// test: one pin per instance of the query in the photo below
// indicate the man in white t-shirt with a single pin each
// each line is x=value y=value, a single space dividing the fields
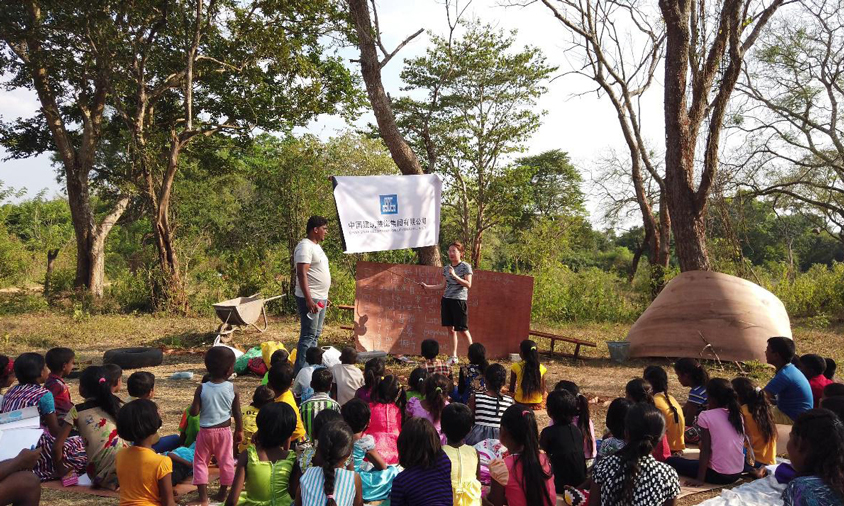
x=313 y=280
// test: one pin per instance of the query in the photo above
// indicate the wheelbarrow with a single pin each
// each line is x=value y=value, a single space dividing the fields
x=240 y=313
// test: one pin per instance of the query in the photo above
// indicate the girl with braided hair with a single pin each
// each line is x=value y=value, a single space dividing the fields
x=632 y=476
x=583 y=419
x=267 y=472
x=527 y=378
x=675 y=420
x=640 y=392
x=816 y=450
x=332 y=484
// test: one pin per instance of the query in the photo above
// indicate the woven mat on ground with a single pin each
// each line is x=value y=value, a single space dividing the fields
x=181 y=489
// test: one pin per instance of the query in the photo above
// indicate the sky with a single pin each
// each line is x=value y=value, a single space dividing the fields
x=585 y=126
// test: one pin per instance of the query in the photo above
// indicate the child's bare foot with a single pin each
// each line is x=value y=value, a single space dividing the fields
x=220 y=496
x=759 y=473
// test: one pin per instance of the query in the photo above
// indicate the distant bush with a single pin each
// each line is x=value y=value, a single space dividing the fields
x=818 y=291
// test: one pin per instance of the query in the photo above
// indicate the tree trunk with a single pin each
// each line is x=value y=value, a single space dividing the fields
x=400 y=151
x=52 y=254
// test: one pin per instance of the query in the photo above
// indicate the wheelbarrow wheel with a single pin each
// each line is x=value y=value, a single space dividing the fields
x=134 y=358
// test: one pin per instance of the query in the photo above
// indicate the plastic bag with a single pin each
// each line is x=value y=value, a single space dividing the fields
x=330 y=356
x=268 y=348
x=237 y=353
x=242 y=363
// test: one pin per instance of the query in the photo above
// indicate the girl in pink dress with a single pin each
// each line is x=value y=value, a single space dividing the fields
x=436 y=390
x=387 y=407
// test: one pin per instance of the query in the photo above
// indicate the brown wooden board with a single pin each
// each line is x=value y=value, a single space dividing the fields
x=394 y=314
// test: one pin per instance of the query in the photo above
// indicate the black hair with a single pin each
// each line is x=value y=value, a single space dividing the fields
x=28 y=368
x=477 y=356
x=834 y=390
x=820 y=435
x=390 y=391
x=280 y=376
x=696 y=372
x=276 y=422
x=206 y=378
x=138 y=420
x=430 y=349
x=831 y=366
x=4 y=365
x=349 y=355
x=56 y=358
x=322 y=419
x=584 y=419
x=279 y=355
x=562 y=406
x=436 y=390
x=639 y=390
x=457 y=421
x=616 y=414
x=313 y=355
x=812 y=365
x=721 y=392
x=334 y=446
x=644 y=426
x=373 y=371
x=93 y=383
x=140 y=383
x=418 y=444
x=262 y=396
x=658 y=378
x=520 y=424
x=219 y=361
x=834 y=404
x=315 y=222
x=114 y=373
x=531 y=373
x=417 y=377
x=356 y=413
x=782 y=346
x=758 y=405
x=321 y=380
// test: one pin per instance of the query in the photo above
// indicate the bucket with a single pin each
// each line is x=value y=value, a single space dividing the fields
x=619 y=350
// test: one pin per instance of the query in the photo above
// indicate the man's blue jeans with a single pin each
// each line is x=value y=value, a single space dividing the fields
x=309 y=330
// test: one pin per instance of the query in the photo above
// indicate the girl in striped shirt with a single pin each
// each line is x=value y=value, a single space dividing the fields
x=489 y=406
x=331 y=484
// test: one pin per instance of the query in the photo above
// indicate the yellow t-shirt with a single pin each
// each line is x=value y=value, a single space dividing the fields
x=764 y=451
x=536 y=397
x=138 y=471
x=250 y=427
x=287 y=397
x=673 y=428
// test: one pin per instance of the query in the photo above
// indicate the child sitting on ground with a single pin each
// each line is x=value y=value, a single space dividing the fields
x=426 y=478
x=758 y=425
x=456 y=423
x=347 y=377
x=144 y=475
x=722 y=438
x=693 y=376
x=528 y=478
x=262 y=396
x=141 y=385
x=613 y=441
x=813 y=366
x=414 y=383
x=96 y=421
x=60 y=362
x=115 y=377
x=376 y=476
x=527 y=378
x=308 y=456
x=302 y=384
x=266 y=472
x=471 y=378
x=631 y=475
x=833 y=390
x=583 y=419
x=433 y=365
x=834 y=404
x=332 y=484
x=320 y=385
x=831 y=366
x=562 y=441
x=216 y=402
x=639 y=391
x=675 y=421
x=488 y=406
x=373 y=371
x=387 y=407
x=281 y=378
x=816 y=451
x=281 y=355
x=436 y=389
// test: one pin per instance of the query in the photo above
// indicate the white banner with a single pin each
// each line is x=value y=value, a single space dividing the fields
x=379 y=213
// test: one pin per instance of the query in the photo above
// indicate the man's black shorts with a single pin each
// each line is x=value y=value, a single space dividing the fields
x=455 y=313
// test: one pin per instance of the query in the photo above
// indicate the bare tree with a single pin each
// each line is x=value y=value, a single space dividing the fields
x=369 y=42
x=620 y=45
x=705 y=48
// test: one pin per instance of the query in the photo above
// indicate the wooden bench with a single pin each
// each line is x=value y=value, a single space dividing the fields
x=554 y=338
x=346 y=307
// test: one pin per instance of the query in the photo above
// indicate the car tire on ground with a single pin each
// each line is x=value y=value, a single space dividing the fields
x=134 y=358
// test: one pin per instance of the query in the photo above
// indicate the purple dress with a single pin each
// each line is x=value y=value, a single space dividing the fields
x=415 y=408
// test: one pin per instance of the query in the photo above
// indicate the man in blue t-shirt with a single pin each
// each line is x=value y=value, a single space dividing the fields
x=789 y=388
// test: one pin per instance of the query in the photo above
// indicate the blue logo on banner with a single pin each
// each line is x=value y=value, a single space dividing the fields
x=389 y=204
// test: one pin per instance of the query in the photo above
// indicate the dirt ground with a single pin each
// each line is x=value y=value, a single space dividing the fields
x=184 y=340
